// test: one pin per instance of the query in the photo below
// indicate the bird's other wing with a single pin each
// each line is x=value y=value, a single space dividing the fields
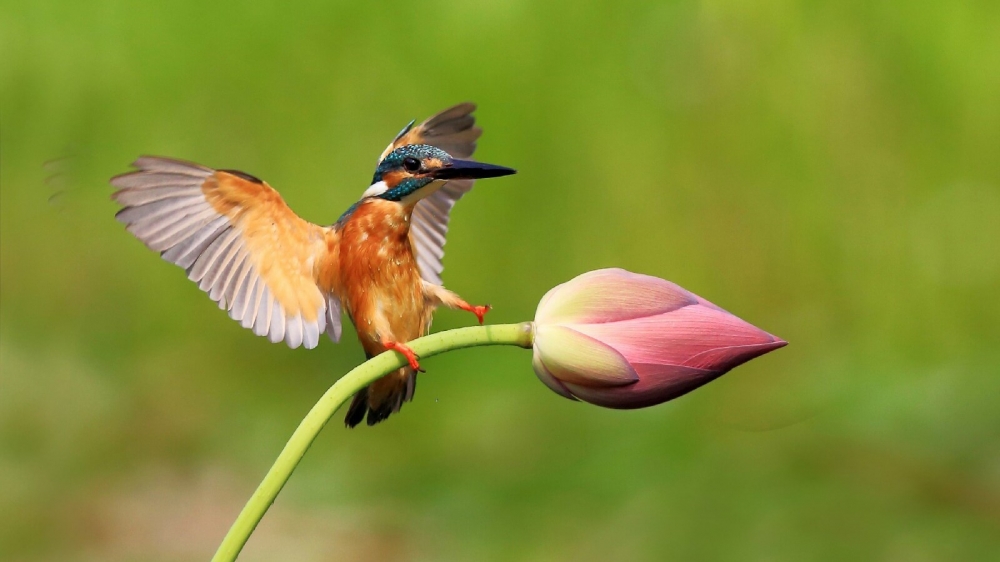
x=238 y=240
x=429 y=226
x=453 y=131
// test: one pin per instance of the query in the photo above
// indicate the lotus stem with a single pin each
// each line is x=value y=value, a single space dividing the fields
x=347 y=386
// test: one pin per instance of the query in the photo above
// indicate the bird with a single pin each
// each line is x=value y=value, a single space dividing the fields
x=291 y=280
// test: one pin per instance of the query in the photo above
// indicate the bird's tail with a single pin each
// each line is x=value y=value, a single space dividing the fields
x=382 y=398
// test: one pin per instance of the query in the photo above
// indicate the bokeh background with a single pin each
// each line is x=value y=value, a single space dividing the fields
x=827 y=171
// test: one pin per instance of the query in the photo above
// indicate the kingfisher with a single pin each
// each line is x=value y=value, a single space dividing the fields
x=289 y=279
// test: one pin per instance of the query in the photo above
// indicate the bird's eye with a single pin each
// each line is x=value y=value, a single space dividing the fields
x=411 y=164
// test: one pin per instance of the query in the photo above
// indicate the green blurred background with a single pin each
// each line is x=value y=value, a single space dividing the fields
x=828 y=171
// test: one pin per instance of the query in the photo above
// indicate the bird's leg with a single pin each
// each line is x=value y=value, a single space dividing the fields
x=406 y=351
x=436 y=294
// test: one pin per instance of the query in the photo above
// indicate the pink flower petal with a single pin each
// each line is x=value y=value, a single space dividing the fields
x=573 y=357
x=657 y=384
x=546 y=377
x=694 y=336
x=609 y=295
x=726 y=358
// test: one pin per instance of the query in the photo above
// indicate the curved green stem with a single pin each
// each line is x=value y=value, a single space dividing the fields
x=344 y=388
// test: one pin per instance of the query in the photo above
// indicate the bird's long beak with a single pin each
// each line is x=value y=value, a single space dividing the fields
x=469 y=170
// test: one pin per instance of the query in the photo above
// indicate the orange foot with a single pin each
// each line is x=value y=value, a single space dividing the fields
x=407 y=352
x=479 y=311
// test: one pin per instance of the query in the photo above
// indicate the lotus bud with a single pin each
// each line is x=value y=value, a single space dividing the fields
x=624 y=340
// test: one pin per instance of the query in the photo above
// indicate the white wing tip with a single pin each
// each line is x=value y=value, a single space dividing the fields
x=311 y=334
x=294 y=331
x=276 y=332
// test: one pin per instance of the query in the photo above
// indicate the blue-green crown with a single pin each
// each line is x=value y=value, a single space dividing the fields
x=394 y=160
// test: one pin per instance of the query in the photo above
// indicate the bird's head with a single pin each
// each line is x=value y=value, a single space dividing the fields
x=412 y=172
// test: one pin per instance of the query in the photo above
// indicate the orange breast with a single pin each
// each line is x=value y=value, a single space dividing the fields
x=379 y=283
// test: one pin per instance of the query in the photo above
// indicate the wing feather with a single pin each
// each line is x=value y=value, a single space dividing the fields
x=429 y=227
x=209 y=265
x=333 y=318
x=185 y=253
x=135 y=197
x=223 y=292
x=263 y=319
x=277 y=331
x=293 y=331
x=452 y=130
x=237 y=240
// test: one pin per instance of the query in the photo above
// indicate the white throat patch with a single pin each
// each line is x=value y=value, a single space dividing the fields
x=377 y=188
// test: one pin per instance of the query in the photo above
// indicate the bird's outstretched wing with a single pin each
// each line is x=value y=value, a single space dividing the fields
x=453 y=131
x=238 y=240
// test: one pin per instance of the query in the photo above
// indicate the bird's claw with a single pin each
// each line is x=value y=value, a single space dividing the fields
x=480 y=312
x=405 y=350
